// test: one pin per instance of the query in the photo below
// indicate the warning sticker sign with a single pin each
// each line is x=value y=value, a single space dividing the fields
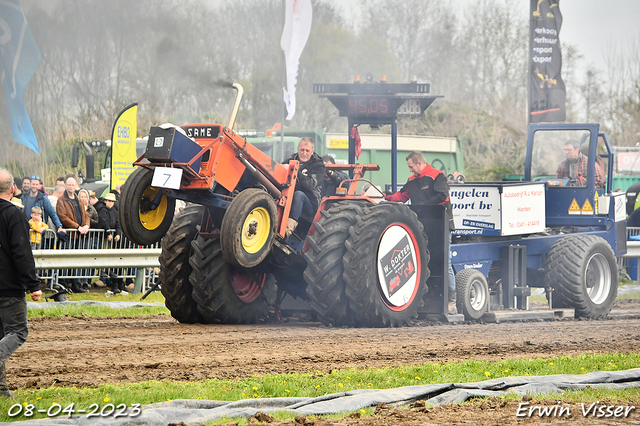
x=574 y=208
x=586 y=207
x=398 y=266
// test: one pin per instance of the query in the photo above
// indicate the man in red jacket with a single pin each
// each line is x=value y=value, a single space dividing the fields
x=428 y=185
x=17 y=275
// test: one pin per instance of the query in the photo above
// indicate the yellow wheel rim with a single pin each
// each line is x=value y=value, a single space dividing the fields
x=255 y=230
x=153 y=218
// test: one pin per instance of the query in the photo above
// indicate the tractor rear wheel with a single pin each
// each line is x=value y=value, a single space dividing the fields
x=325 y=285
x=174 y=264
x=225 y=293
x=139 y=220
x=385 y=267
x=248 y=228
x=583 y=273
x=472 y=293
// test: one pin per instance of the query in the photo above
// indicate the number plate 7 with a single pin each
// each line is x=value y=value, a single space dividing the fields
x=166 y=177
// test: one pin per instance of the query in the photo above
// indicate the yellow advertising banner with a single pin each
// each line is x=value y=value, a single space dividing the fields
x=123 y=144
x=338 y=143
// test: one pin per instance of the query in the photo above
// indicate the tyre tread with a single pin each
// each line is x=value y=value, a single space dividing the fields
x=174 y=265
x=324 y=272
x=564 y=273
x=360 y=270
x=212 y=290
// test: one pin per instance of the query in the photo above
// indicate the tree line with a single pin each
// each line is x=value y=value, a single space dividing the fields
x=175 y=59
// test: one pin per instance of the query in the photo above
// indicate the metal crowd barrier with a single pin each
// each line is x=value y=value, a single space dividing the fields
x=90 y=256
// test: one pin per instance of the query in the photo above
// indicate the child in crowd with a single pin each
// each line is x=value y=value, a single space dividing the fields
x=37 y=226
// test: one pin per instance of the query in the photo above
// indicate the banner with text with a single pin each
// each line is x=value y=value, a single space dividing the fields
x=503 y=209
x=546 y=89
x=123 y=144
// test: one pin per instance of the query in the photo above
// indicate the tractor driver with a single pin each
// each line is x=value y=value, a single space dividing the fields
x=429 y=185
x=574 y=166
x=306 y=197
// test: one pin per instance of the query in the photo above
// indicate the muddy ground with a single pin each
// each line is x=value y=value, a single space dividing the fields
x=76 y=351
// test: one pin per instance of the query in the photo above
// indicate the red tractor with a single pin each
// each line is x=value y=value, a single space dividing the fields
x=224 y=256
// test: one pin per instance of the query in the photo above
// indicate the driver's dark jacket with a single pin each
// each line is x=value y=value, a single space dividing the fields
x=429 y=187
x=310 y=177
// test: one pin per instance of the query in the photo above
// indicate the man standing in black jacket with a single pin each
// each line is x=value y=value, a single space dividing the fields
x=428 y=185
x=306 y=197
x=17 y=275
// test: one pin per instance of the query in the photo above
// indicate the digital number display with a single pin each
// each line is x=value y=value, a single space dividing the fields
x=410 y=108
x=368 y=106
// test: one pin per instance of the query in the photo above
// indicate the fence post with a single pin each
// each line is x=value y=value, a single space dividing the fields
x=139 y=282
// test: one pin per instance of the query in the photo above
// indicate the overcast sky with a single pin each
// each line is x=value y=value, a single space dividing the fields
x=596 y=27
x=593 y=26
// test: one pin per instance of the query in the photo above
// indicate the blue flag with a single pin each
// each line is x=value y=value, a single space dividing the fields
x=19 y=57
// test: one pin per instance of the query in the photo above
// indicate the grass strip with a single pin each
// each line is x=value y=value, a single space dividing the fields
x=319 y=383
x=154 y=297
x=102 y=311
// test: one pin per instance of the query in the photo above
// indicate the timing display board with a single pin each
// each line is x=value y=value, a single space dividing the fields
x=376 y=104
x=366 y=105
x=377 y=101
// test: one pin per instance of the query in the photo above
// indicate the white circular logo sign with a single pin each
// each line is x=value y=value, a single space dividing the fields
x=397 y=265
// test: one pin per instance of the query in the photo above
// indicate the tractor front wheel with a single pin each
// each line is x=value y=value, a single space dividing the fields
x=145 y=216
x=385 y=267
x=248 y=228
x=224 y=293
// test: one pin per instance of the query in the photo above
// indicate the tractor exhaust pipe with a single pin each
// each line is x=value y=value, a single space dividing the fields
x=236 y=106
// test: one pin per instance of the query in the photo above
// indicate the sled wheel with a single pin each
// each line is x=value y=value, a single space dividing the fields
x=583 y=272
x=225 y=293
x=385 y=267
x=472 y=294
x=139 y=220
x=325 y=285
x=248 y=228
x=174 y=264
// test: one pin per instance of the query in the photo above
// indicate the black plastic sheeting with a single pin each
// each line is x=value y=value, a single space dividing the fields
x=201 y=411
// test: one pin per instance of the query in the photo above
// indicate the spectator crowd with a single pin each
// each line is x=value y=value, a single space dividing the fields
x=79 y=219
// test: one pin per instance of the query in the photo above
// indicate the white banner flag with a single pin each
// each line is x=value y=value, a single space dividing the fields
x=297 y=27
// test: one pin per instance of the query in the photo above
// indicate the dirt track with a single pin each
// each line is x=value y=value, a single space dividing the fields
x=92 y=351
